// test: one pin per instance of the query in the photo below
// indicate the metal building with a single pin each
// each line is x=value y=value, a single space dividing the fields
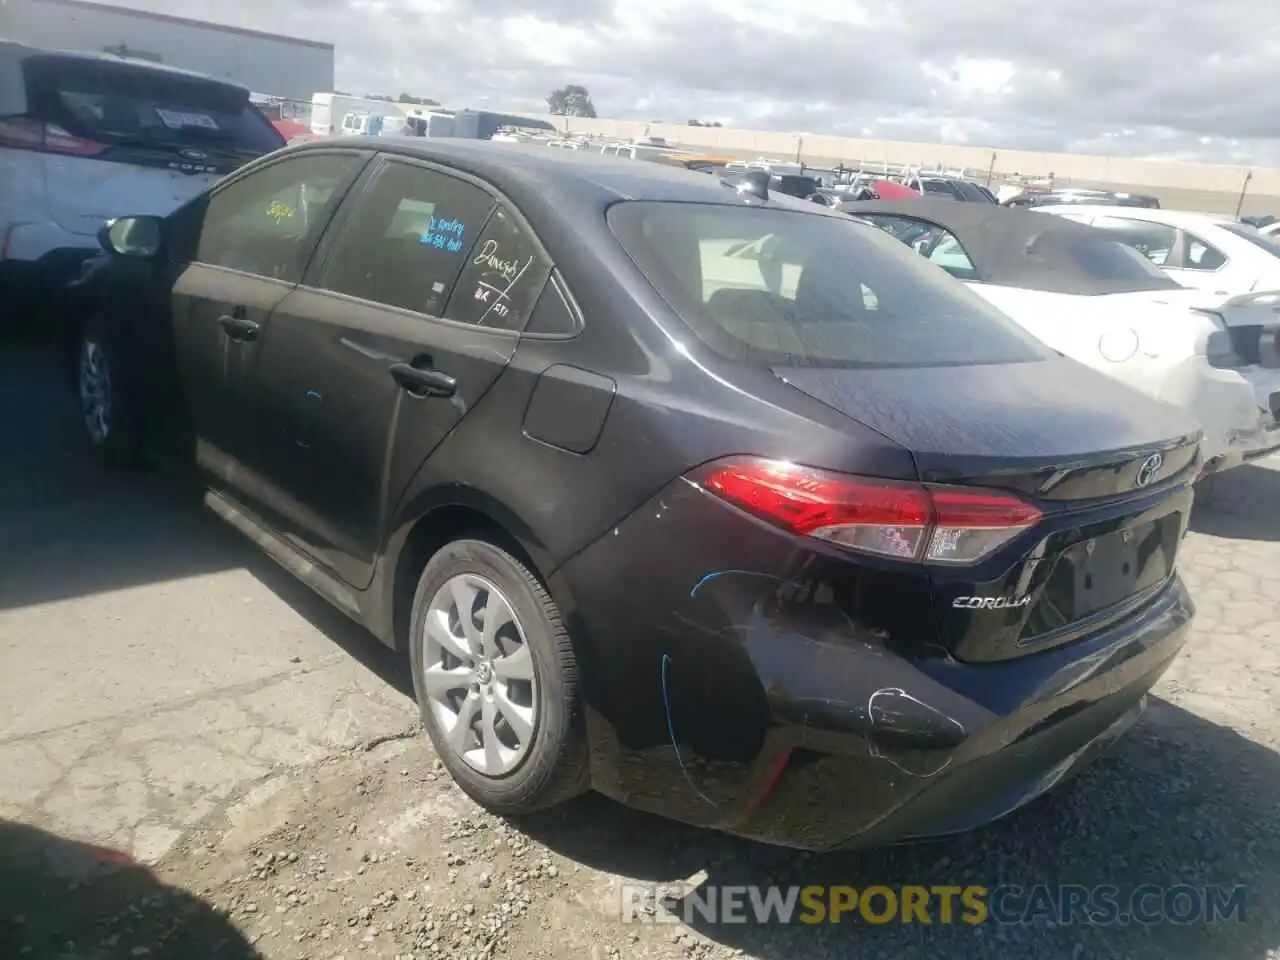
x=266 y=63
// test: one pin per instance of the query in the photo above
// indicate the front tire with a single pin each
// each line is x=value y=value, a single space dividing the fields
x=496 y=680
x=106 y=405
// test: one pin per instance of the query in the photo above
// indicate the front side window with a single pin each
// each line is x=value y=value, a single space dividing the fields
x=267 y=223
x=407 y=239
x=783 y=287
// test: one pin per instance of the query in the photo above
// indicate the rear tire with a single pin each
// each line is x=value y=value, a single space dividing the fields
x=108 y=410
x=501 y=691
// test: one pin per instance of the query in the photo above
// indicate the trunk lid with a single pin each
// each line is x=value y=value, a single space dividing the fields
x=1110 y=468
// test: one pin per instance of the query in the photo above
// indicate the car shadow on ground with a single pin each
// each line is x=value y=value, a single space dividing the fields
x=1230 y=505
x=72 y=527
x=60 y=898
x=1179 y=801
x=390 y=666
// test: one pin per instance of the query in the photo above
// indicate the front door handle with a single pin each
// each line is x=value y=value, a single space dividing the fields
x=423 y=381
x=238 y=328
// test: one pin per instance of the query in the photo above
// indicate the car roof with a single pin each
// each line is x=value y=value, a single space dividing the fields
x=998 y=241
x=1173 y=218
x=536 y=176
x=21 y=51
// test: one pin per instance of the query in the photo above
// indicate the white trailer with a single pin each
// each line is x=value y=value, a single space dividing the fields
x=329 y=109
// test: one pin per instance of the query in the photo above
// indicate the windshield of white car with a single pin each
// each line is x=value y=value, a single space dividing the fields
x=1245 y=232
x=779 y=287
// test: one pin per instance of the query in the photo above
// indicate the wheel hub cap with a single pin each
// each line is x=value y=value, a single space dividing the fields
x=477 y=675
x=95 y=390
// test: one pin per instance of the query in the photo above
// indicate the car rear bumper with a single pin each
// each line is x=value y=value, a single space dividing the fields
x=794 y=725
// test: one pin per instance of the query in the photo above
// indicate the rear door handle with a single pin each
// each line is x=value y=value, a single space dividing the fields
x=423 y=381
x=239 y=328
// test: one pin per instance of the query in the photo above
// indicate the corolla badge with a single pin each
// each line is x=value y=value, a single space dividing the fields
x=1149 y=470
x=193 y=154
x=990 y=603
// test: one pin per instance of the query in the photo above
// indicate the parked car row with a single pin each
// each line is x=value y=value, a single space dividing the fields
x=719 y=501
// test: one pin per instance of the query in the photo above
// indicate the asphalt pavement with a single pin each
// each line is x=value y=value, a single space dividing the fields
x=152 y=663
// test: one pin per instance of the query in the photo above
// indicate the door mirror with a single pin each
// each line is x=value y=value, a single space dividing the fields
x=132 y=236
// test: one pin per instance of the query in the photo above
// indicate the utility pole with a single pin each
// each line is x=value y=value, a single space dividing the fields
x=991 y=170
x=1244 y=188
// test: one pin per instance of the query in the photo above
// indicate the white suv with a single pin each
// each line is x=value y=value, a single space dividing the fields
x=87 y=137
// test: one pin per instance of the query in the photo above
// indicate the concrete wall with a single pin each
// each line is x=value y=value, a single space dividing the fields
x=1207 y=187
x=262 y=62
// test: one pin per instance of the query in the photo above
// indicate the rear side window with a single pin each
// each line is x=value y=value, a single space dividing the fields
x=1095 y=264
x=124 y=103
x=408 y=239
x=779 y=286
x=1198 y=255
x=504 y=274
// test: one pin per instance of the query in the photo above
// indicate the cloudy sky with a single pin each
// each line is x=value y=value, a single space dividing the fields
x=1183 y=78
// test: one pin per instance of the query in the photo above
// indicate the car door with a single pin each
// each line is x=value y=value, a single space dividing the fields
x=240 y=250
x=411 y=311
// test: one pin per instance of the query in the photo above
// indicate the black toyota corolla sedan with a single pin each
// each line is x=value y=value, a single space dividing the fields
x=716 y=501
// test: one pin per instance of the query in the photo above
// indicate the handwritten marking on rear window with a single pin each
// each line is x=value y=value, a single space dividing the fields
x=444 y=233
x=493 y=297
x=509 y=270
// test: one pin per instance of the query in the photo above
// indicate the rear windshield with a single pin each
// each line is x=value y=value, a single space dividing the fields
x=1246 y=232
x=1090 y=263
x=782 y=287
x=118 y=103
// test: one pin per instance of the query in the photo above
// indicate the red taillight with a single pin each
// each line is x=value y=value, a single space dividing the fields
x=907 y=521
x=33 y=135
x=57 y=140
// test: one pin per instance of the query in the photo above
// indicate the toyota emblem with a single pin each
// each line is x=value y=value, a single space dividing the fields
x=1149 y=470
x=193 y=154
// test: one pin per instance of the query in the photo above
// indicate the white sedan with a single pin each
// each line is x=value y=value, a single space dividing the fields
x=1199 y=250
x=1101 y=303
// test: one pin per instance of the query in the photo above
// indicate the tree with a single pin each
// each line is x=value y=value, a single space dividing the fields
x=421 y=101
x=571 y=100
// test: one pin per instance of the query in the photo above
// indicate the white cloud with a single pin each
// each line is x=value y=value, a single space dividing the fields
x=1123 y=77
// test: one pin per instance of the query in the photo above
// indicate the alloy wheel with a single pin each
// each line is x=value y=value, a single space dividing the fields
x=478 y=676
x=95 y=390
